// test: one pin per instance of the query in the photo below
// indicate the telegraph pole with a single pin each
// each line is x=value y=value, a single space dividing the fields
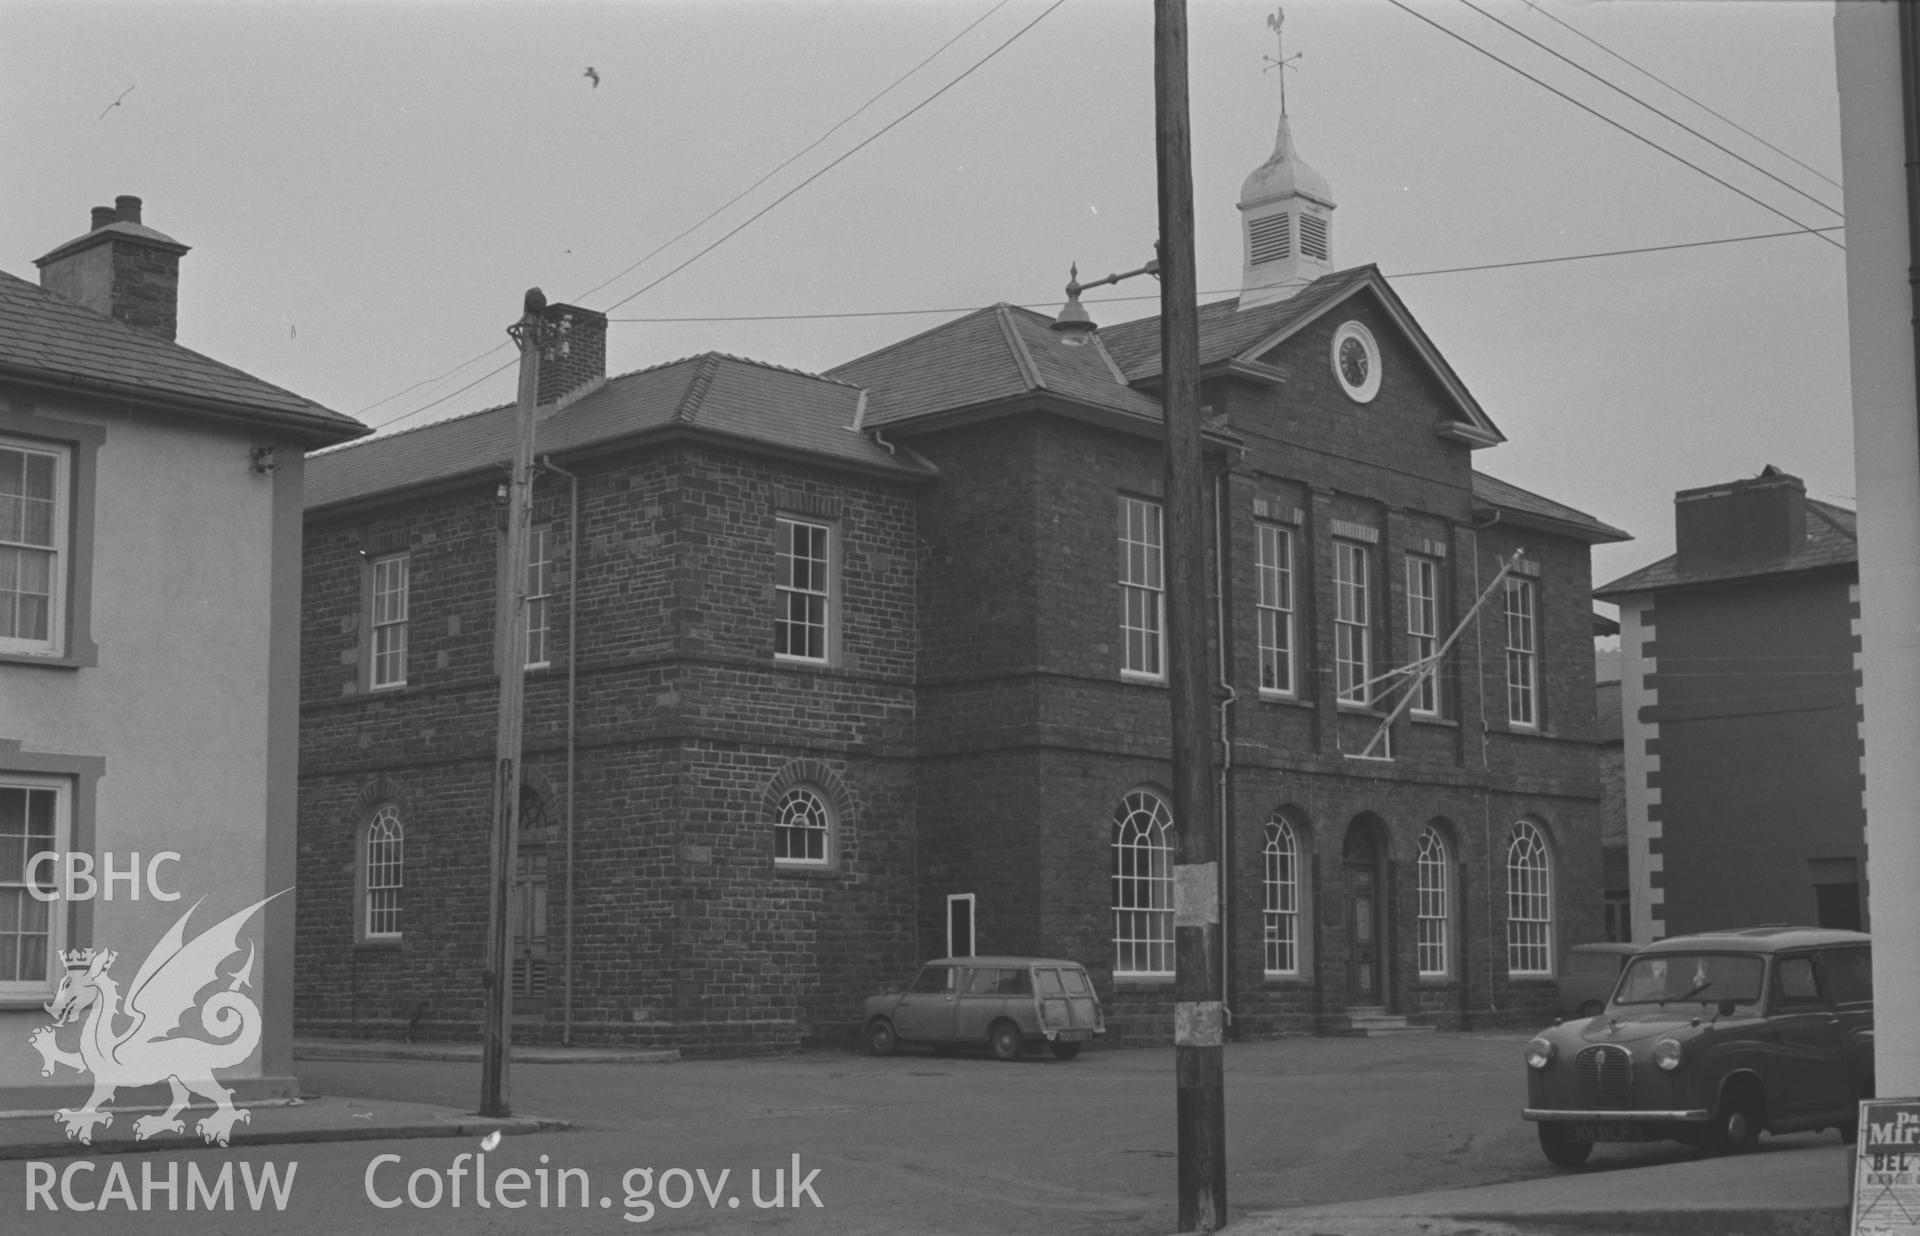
x=1199 y=1011
x=531 y=333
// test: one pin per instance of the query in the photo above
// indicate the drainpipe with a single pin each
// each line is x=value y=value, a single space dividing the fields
x=573 y=644
x=1221 y=525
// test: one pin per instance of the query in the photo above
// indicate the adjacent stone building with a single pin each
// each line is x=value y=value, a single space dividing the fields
x=831 y=673
x=1740 y=711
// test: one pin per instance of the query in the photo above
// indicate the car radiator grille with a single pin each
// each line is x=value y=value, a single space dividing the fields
x=1605 y=1075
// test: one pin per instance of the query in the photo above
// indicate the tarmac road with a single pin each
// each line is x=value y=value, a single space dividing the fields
x=966 y=1144
x=910 y=1143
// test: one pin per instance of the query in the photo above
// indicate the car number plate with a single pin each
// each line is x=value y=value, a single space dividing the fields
x=1607 y=1133
x=1075 y=1036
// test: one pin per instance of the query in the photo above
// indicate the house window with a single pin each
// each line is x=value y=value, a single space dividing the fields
x=34 y=820
x=1423 y=631
x=390 y=621
x=1274 y=566
x=1142 y=886
x=385 y=871
x=539 y=594
x=1529 y=903
x=33 y=550
x=801 y=585
x=1282 y=885
x=1352 y=642
x=1142 y=589
x=801 y=828
x=1431 y=872
x=1523 y=659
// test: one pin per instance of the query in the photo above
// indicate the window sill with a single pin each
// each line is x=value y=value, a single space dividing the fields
x=1139 y=679
x=26 y=1004
x=1532 y=979
x=1142 y=982
x=45 y=660
x=1287 y=980
x=1282 y=697
x=1443 y=722
x=379 y=943
x=805 y=871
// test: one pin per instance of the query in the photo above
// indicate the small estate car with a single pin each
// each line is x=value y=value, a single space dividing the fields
x=1711 y=1040
x=1000 y=1003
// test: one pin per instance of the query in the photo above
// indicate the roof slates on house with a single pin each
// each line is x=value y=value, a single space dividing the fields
x=47 y=338
x=1832 y=541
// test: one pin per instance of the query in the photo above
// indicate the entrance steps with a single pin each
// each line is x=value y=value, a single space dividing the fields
x=1376 y=1021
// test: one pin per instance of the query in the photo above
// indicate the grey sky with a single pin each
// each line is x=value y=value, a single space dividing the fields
x=369 y=187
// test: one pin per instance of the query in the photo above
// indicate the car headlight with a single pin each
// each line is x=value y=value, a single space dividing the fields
x=1539 y=1053
x=1666 y=1054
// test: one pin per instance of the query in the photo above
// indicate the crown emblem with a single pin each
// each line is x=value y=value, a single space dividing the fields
x=77 y=959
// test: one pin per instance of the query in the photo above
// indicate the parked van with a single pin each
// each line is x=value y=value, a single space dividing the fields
x=1002 y=1003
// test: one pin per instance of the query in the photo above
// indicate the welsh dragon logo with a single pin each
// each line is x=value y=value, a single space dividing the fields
x=145 y=1042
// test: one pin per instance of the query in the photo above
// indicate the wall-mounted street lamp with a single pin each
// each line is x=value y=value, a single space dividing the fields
x=1075 y=325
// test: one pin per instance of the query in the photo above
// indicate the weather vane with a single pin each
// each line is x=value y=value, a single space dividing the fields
x=1280 y=60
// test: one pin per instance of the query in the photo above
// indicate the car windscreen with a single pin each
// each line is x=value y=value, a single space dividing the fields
x=1673 y=977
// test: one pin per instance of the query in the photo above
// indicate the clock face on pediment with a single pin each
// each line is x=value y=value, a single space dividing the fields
x=1356 y=361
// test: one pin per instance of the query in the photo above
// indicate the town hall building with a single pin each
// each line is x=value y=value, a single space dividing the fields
x=831 y=673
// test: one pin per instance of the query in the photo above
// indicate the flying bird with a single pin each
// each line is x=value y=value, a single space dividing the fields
x=594 y=74
x=123 y=94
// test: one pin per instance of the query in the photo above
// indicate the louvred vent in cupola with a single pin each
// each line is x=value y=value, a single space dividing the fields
x=1313 y=237
x=1271 y=238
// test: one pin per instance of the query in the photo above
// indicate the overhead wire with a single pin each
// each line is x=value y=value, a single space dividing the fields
x=1111 y=300
x=836 y=127
x=1631 y=97
x=1630 y=132
x=1643 y=71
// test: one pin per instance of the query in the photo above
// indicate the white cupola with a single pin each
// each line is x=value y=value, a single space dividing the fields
x=1286 y=211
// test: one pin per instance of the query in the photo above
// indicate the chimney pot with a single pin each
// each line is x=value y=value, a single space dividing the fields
x=129 y=208
x=103 y=215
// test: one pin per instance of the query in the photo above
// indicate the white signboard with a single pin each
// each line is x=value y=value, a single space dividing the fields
x=1886 y=1173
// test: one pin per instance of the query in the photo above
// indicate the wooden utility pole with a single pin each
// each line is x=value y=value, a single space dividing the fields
x=510 y=660
x=1199 y=1010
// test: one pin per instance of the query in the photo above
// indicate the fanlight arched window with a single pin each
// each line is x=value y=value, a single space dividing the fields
x=1282 y=886
x=1142 y=885
x=386 y=869
x=1529 y=902
x=1431 y=869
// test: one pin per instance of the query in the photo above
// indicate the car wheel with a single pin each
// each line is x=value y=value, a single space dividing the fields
x=881 y=1040
x=1736 y=1126
x=1065 y=1051
x=1590 y=1009
x=1561 y=1150
x=1005 y=1040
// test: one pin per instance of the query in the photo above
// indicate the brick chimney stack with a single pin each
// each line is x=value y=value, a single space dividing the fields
x=121 y=268
x=585 y=356
x=1744 y=523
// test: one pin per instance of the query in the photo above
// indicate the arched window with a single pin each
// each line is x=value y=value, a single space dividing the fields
x=1282 y=884
x=1529 y=902
x=1431 y=867
x=1142 y=885
x=385 y=871
x=802 y=827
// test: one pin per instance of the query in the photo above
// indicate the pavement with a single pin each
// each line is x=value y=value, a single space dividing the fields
x=1796 y=1186
x=323 y=1118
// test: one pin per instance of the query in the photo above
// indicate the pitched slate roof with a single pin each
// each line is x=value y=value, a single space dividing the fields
x=989 y=356
x=1491 y=494
x=712 y=396
x=53 y=342
x=1006 y=352
x=1832 y=541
